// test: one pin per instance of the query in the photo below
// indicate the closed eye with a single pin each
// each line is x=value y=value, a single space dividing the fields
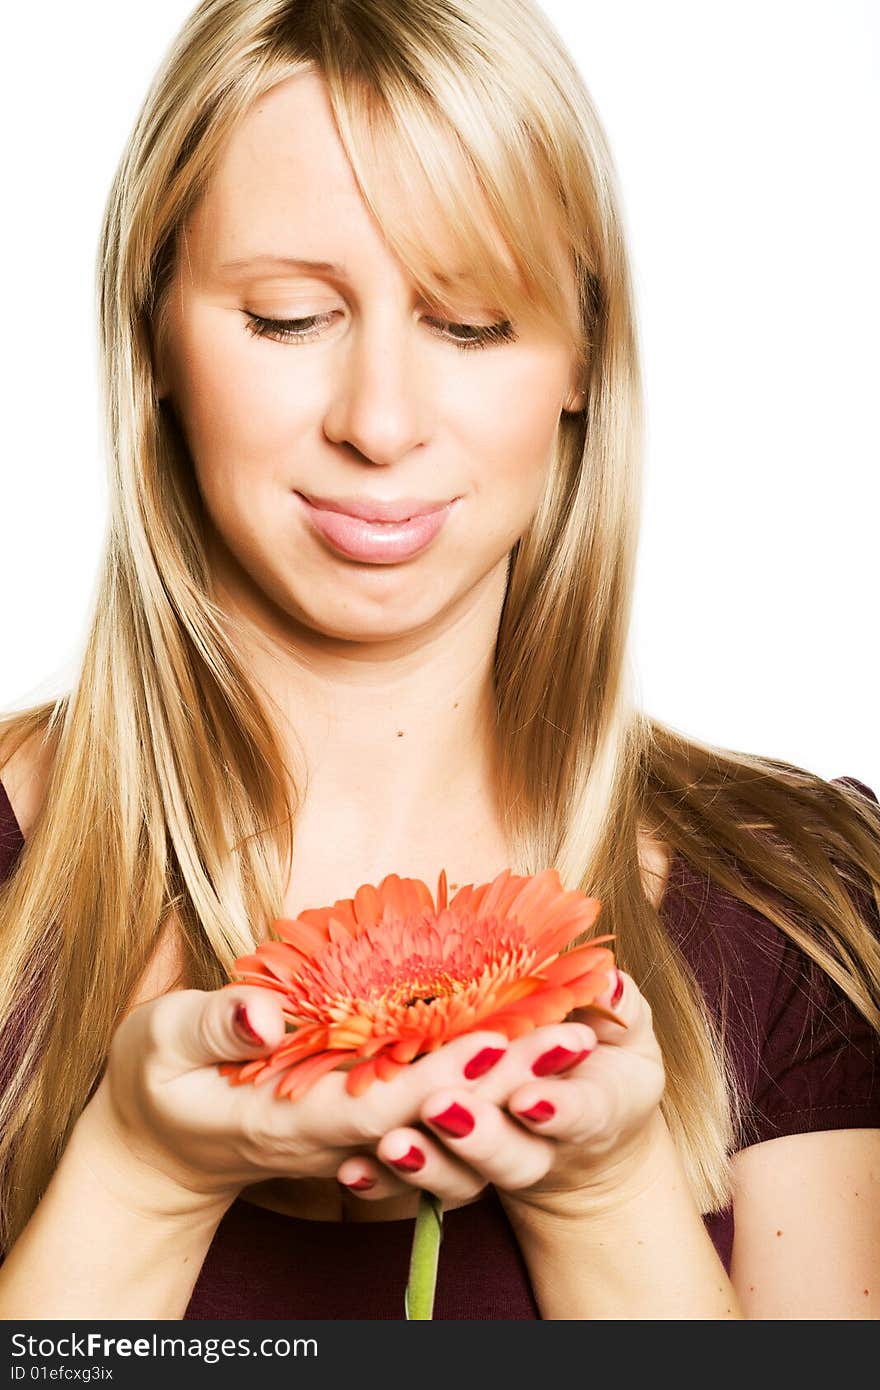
x=306 y=329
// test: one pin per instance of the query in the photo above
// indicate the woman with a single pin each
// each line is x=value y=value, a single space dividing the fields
x=362 y=263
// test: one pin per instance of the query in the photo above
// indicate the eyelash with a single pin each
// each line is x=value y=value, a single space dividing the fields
x=285 y=331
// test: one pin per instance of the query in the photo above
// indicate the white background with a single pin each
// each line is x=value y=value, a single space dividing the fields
x=745 y=137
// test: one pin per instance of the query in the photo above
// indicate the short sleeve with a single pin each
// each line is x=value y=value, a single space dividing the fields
x=819 y=1063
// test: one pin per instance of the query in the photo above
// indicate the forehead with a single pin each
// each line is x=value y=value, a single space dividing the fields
x=284 y=190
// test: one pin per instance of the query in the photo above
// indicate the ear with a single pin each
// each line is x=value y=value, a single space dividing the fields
x=576 y=397
x=574 y=402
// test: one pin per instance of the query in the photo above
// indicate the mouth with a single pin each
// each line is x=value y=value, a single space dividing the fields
x=379 y=540
x=376 y=509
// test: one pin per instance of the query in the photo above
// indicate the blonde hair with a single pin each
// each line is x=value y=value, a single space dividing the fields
x=168 y=791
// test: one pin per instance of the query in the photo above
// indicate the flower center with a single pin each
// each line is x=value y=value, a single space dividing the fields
x=420 y=986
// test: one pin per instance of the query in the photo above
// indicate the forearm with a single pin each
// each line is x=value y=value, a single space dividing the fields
x=109 y=1239
x=643 y=1253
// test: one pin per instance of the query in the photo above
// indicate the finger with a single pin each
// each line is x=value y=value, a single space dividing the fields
x=386 y=1105
x=193 y=1028
x=423 y=1162
x=630 y=1006
x=571 y=1110
x=487 y=1139
x=554 y=1049
x=597 y=1098
x=368 y=1179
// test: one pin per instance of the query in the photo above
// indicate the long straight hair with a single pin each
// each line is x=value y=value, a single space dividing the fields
x=168 y=793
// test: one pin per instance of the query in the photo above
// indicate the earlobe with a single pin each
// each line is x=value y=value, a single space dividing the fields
x=574 y=402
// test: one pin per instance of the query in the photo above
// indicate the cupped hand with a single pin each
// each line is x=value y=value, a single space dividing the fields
x=564 y=1107
x=164 y=1103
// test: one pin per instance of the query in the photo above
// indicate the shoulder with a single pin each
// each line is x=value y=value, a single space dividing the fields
x=24 y=777
x=805 y=1058
x=722 y=932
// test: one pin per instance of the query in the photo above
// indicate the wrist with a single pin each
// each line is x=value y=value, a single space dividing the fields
x=141 y=1186
x=630 y=1243
x=615 y=1183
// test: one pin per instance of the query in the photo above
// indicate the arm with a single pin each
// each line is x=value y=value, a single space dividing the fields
x=111 y=1237
x=637 y=1251
x=807 y=1241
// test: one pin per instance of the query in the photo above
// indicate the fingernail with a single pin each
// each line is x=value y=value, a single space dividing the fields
x=360 y=1184
x=410 y=1162
x=542 y=1110
x=558 y=1059
x=618 y=988
x=455 y=1120
x=244 y=1026
x=483 y=1062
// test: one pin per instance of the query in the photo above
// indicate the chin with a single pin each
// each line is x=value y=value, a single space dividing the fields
x=363 y=621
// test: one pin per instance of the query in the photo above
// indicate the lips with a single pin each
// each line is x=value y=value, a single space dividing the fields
x=376 y=540
x=375 y=509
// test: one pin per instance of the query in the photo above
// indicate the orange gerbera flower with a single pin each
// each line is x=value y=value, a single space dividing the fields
x=378 y=979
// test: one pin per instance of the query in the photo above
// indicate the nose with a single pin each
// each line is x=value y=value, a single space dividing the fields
x=377 y=402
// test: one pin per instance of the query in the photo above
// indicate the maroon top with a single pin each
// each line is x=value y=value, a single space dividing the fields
x=805 y=1057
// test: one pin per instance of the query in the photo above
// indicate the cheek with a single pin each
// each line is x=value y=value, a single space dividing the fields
x=236 y=408
x=516 y=457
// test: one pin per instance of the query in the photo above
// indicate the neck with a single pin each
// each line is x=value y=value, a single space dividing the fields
x=381 y=735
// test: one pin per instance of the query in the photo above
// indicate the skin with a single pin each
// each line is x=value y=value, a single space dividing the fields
x=349 y=656
x=380 y=674
x=384 y=674
x=380 y=402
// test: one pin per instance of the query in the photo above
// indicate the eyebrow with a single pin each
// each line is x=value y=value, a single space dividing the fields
x=269 y=262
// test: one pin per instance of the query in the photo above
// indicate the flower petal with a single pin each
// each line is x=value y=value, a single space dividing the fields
x=406 y=1049
x=284 y=961
x=502 y=890
x=300 y=1078
x=354 y=1032
x=307 y=935
x=367 y=905
x=579 y=961
x=534 y=898
x=387 y=1068
x=442 y=891
x=550 y=1006
x=565 y=933
x=519 y=989
x=361 y=1078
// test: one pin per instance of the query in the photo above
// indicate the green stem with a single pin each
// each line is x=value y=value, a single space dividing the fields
x=419 y=1298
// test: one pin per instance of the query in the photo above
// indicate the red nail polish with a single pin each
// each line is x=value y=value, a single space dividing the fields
x=360 y=1184
x=542 y=1110
x=618 y=988
x=483 y=1062
x=558 y=1059
x=410 y=1162
x=454 y=1120
x=243 y=1024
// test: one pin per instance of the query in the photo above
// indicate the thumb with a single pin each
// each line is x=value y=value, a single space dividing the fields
x=257 y=1021
x=232 y=1023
